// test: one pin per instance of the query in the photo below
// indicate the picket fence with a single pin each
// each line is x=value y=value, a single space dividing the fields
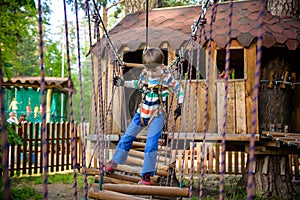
x=28 y=157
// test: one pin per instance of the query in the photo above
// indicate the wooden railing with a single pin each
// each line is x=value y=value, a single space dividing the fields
x=28 y=157
x=235 y=161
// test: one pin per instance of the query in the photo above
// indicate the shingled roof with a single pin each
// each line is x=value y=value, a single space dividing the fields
x=35 y=82
x=173 y=26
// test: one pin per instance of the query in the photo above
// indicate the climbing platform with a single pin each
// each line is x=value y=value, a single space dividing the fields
x=123 y=183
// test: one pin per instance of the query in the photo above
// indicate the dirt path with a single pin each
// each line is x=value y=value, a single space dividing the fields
x=59 y=191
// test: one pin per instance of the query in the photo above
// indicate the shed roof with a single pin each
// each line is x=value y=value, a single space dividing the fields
x=173 y=26
x=35 y=82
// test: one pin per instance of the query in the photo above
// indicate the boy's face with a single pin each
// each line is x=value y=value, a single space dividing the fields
x=155 y=72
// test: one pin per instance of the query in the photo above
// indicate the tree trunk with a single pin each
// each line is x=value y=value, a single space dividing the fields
x=272 y=178
x=284 y=8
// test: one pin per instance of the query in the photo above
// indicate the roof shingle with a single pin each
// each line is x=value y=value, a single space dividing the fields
x=173 y=25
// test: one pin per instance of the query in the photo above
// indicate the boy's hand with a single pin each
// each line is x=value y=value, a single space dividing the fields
x=177 y=111
x=118 y=81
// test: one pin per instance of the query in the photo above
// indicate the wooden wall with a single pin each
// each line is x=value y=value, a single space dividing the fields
x=239 y=100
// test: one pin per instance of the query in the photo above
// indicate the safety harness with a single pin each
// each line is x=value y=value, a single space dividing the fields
x=146 y=90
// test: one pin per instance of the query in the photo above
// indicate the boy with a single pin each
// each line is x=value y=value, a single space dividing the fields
x=154 y=83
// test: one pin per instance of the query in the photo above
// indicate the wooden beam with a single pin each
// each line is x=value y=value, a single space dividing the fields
x=146 y=190
x=140 y=154
x=110 y=195
x=279 y=134
x=134 y=65
x=269 y=150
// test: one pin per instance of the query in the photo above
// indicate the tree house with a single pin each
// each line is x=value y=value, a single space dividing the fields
x=169 y=29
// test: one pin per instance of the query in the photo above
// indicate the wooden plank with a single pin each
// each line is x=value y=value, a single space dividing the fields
x=146 y=190
x=30 y=134
x=68 y=145
x=231 y=109
x=36 y=153
x=211 y=159
x=110 y=195
x=58 y=143
x=250 y=65
x=217 y=158
x=23 y=130
x=198 y=148
x=220 y=105
x=63 y=143
x=18 y=167
x=12 y=149
x=240 y=104
x=52 y=151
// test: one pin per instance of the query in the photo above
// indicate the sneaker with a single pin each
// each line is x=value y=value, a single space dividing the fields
x=145 y=180
x=110 y=167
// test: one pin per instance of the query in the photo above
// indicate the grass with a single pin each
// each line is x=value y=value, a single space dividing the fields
x=21 y=187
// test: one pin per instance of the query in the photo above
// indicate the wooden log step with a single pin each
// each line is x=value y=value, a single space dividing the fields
x=118 y=178
x=142 y=145
x=140 y=154
x=146 y=190
x=93 y=171
x=140 y=162
x=113 y=180
x=110 y=195
x=141 y=137
x=137 y=170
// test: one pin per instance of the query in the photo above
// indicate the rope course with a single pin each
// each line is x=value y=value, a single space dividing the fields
x=103 y=103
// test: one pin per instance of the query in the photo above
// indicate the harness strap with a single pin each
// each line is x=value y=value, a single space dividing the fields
x=159 y=97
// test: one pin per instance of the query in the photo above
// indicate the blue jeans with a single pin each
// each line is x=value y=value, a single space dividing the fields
x=150 y=152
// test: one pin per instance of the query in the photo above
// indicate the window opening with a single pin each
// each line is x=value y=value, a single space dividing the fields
x=236 y=63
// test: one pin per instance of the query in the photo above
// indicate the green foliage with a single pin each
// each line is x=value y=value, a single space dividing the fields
x=173 y=3
x=15 y=22
x=12 y=136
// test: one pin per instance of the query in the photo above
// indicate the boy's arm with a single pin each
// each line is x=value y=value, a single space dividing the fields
x=174 y=85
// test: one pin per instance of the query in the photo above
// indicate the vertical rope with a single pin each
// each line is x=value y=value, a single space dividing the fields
x=214 y=11
x=191 y=54
x=227 y=64
x=254 y=103
x=43 y=101
x=5 y=146
x=100 y=106
x=71 y=103
x=93 y=74
x=147 y=22
x=81 y=106
x=185 y=134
